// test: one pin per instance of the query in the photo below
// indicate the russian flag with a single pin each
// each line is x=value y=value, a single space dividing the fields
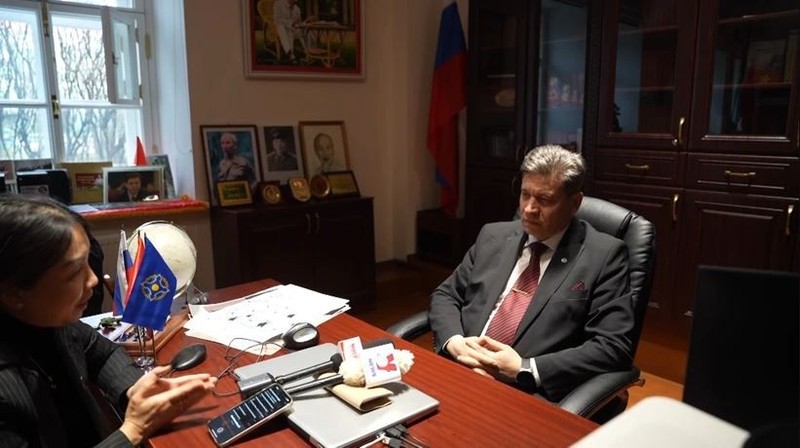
x=448 y=97
x=123 y=272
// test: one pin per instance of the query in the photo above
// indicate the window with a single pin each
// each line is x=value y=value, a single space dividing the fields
x=73 y=80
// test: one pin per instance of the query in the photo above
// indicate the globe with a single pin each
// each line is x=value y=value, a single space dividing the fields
x=175 y=247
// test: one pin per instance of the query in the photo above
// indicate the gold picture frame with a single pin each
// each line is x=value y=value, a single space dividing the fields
x=234 y=192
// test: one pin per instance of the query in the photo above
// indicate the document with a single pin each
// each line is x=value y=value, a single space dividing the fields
x=247 y=322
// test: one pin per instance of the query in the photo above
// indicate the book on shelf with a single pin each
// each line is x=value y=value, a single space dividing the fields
x=765 y=61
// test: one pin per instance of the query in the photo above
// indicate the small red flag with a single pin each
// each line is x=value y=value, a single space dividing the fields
x=141 y=159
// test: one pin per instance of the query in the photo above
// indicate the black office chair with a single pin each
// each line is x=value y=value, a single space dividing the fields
x=743 y=353
x=606 y=395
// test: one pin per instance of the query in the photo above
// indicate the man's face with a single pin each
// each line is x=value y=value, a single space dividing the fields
x=134 y=184
x=228 y=144
x=544 y=206
x=279 y=145
x=324 y=148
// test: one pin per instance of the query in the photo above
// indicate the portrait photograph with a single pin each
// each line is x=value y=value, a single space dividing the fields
x=231 y=153
x=315 y=39
x=133 y=183
x=324 y=146
x=280 y=158
x=169 y=183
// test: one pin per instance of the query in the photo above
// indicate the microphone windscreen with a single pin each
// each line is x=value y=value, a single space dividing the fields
x=336 y=361
x=378 y=343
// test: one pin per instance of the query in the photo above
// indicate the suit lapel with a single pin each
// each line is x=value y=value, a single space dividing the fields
x=509 y=253
x=560 y=265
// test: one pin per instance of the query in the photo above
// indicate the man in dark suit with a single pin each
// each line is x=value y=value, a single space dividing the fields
x=549 y=325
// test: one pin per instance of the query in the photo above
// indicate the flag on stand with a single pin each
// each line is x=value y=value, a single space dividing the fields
x=152 y=289
x=141 y=158
x=124 y=269
x=448 y=97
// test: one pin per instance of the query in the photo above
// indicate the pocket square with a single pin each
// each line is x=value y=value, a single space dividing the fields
x=578 y=287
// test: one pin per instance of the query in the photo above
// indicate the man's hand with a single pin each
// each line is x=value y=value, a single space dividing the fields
x=495 y=358
x=461 y=351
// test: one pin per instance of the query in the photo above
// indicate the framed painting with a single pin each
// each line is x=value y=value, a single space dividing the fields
x=281 y=159
x=314 y=39
x=133 y=183
x=231 y=153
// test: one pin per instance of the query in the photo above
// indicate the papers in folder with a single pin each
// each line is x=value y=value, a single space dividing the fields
x=261 y=316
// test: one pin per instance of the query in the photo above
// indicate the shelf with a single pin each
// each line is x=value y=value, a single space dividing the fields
x=651 y=30
x=759 y=17
x=656 y=89
x=755 y=86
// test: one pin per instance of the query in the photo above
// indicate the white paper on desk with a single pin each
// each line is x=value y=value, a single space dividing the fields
x=264 y=315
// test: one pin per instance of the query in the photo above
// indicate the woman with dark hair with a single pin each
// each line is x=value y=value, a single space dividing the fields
x=48 y=357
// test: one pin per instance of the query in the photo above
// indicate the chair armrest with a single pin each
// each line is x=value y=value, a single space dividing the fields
x=597 y=391
x=411 y=327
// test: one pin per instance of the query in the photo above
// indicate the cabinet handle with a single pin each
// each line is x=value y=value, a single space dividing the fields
x=654 y=305
x=316 y=216
x=675 y=198
x=689 y=313
x=632 y=167
x=747 y=175
x=789 y=211
x=308 y=224
x=679 y=141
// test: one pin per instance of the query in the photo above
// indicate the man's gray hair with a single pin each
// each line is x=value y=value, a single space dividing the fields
x=553 y=160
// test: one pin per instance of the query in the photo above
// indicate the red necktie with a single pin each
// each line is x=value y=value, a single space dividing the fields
x=503 y=326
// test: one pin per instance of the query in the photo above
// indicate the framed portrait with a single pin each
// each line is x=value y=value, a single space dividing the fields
x=324 y=146
x=231 y=153
x=133 y=183
x=169 y=183
x=234 y=192
x=313 y=39
x=281 y=158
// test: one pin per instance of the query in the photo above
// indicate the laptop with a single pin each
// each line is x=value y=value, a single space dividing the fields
x=328 y=421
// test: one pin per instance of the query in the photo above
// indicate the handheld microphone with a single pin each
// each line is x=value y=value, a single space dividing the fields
x=252 y=385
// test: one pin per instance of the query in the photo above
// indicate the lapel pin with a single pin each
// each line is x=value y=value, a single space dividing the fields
x=563 y=260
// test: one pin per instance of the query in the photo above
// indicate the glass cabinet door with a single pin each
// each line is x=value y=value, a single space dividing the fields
x=747 y=76
x=497 y=70
x=562 y=63
x=646 y=75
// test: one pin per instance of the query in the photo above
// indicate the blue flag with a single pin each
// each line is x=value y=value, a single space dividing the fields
x=152 y=291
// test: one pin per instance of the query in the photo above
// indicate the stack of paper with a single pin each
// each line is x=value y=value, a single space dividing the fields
x=247 y=322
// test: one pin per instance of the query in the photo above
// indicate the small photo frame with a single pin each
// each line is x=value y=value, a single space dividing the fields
x=343 y=184
x=163 y=160
x=281 y=158
x=231 y=153
x=324 y=147
x=133 y=183
x=234 y=192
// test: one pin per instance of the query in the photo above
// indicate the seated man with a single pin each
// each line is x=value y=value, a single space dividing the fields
x=548 y=325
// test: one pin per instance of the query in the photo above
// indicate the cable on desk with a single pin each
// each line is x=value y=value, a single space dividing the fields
x=234 y=358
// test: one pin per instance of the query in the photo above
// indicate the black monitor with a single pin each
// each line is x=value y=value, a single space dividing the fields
x=52 y=182
x=743 y=352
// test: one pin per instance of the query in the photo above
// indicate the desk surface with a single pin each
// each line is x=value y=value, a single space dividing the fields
x=474 y=411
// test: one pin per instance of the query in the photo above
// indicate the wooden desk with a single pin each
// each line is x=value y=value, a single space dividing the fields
x=474 y=411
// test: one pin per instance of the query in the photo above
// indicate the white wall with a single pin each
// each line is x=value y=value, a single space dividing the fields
x=385 y=115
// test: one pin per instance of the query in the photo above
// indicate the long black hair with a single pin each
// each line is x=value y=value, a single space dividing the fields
x=35 y=233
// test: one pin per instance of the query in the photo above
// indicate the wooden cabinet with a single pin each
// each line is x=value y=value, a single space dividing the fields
x=327 y=246
x=526 y=87
x=698 y=131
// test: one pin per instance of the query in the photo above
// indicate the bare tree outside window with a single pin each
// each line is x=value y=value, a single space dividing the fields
x=76 y=113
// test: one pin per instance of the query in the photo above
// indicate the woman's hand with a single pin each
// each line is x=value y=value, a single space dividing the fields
x=154 y=401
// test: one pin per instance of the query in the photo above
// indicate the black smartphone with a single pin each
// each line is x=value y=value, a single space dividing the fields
x=249 y=414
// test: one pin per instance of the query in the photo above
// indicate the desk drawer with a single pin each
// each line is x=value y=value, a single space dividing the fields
x=636 y=166
x=776 y=176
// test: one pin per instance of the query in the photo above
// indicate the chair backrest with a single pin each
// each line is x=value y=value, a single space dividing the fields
x=639 y=235
x=743 y=353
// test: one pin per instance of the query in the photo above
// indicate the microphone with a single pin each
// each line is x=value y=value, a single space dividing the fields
x=252 y=385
